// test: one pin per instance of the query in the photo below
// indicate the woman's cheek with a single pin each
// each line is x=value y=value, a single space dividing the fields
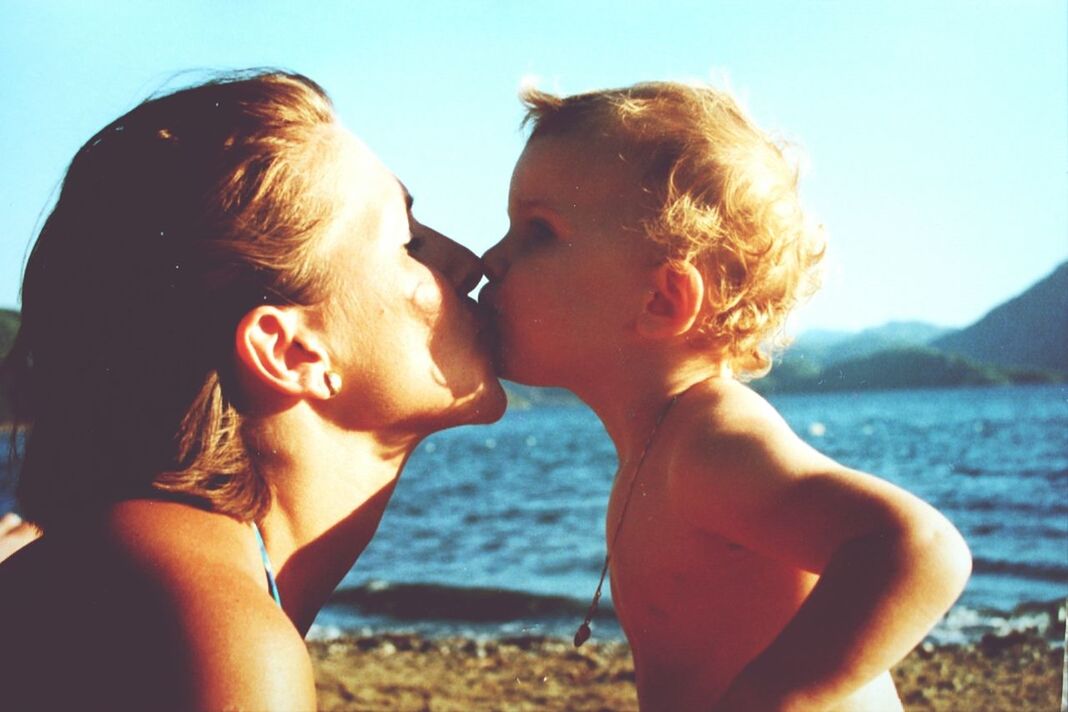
x=427 y=299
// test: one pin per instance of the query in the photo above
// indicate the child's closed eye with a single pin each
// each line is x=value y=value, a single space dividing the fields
x=539 y=229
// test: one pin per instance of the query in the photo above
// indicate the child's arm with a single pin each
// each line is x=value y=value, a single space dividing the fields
x=890 y=565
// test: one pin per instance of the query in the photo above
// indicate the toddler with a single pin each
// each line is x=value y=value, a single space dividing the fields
x=656 y=246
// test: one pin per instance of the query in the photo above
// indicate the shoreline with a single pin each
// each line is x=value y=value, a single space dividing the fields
x=389 y=671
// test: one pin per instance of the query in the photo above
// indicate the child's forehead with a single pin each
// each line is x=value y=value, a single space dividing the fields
x=574 y=168
x=575 y=150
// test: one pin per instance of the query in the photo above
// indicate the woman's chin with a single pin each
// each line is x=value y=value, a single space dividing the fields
x=481 y=405
x=489 y=404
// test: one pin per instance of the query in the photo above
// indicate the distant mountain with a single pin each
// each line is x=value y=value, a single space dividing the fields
x=1028 y=331
x=904 y=332
x=821 y=338
x=906 y=368
x=9 y=326
x=912 y=367
x=830 y=347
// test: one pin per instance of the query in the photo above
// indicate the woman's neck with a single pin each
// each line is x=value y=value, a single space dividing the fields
x=330 y=489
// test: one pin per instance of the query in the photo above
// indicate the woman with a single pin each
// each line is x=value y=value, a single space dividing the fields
x=232 y=328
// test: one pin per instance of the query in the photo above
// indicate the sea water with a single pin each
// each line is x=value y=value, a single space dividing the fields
x=499 y=530
x=519 y=506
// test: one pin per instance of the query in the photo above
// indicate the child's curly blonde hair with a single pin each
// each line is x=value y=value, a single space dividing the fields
x=725 y=200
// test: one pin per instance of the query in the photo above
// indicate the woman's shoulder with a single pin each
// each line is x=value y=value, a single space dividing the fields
x=157 y=606
x=205 y=567
x=179 y=546
x=177 y=596
x=243 y=650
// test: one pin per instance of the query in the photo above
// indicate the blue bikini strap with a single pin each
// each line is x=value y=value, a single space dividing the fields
x=272 y=587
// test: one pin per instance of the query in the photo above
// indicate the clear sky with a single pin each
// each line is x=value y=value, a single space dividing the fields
x=936 y=132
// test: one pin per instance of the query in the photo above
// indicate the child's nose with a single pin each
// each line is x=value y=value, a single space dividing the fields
x=495 y=262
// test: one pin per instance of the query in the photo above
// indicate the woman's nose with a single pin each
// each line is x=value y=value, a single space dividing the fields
x=458 y=264
x=468 y=268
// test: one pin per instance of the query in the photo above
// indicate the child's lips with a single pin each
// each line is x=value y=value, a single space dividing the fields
x=489 y=332
x=483 y=320
x=487 y=302
x=487 y=296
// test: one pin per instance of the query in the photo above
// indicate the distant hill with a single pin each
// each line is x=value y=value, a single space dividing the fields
x=9 y=326
x=1028 y=331
x=914 y=367
x=1024 y=340
x=890 y=369
x=829 y=347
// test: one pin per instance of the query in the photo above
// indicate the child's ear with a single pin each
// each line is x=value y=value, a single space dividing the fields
x=278 y=353
x=673 y=304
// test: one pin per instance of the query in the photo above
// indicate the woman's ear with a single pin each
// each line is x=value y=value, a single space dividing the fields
x=278 y=353
x=674 y=301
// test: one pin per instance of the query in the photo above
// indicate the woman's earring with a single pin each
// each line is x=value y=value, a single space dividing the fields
x=332 y=379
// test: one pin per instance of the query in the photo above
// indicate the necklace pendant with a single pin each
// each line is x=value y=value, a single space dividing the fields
x=582 y=634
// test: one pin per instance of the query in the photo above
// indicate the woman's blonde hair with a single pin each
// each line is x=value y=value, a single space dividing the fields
x=724 y=198
x=172 y=223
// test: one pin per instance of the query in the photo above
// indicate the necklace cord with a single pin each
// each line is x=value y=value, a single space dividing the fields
x=583 y=632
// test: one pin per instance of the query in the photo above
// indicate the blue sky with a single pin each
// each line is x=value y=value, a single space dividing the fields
x=936 y=133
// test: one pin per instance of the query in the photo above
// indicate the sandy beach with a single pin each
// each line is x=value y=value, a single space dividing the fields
x=408 y=672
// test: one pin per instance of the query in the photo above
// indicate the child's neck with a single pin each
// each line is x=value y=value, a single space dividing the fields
x=630 y=406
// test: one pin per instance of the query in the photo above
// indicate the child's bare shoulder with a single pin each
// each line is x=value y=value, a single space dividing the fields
x=732 y=449
x=723 y=420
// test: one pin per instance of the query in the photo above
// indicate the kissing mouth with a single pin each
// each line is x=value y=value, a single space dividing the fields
x=487 y=307
x=487 y=296
x=488 y=316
